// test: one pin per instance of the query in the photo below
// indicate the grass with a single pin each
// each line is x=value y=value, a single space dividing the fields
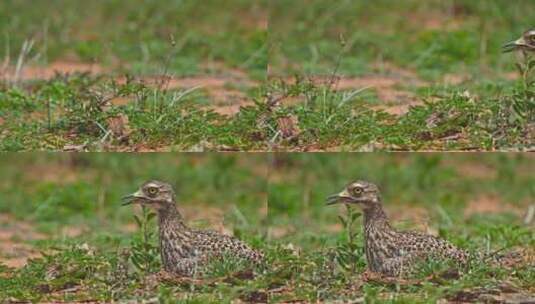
x=442 y=57
x=140 y=36
x=432 y=38
x=79 y=111
x=417 y=47
x=106 y=259
x=320 y=248
x=447 y=120
x=67 y=208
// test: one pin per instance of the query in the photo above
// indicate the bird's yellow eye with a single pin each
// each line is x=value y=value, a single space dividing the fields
x=152 y=190
x=357 y=190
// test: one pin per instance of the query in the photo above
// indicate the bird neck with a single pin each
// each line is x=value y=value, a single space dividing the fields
x=168 y=215
x=375 y=216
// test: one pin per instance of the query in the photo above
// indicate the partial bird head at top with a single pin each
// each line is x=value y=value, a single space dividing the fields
x=525 y=43
x=154 y=194
x=359 y=192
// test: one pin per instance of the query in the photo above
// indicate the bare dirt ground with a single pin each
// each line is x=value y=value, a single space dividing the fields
x=390 y=83
x=489 y=205
x=14 y=235
x=28 y=73
x=473 y=169
x=225 y=87
x=396 y=100
x=221 y=90
x=221 y=87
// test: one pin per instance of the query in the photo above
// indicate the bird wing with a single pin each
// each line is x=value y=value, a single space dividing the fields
x=425 y=245
x=213 y=243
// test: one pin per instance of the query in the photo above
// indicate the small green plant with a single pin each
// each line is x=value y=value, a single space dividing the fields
x=525 y=100
x=350 y=250
x=226 y=265
x=515 y=113
x=144 y=252
x=435 y=267
x=526 y=70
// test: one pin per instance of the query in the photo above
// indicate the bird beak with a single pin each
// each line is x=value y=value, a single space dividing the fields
x=342 y=197
x=132 y=198
x=511 y=46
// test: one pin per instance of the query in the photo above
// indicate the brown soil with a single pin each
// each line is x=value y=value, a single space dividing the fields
x=233 y=108
x=388 y=88
x=226 y=99
x=399 y=110
x=435 y=20
x=139 y=148
x=279 y=232
x=454 y=79
x=14 y=251
x=388 y=83
x=472 y=169
x=49 y=71
x=60 y=173
x=120 y=101
x=491 y=205
x=384 y=86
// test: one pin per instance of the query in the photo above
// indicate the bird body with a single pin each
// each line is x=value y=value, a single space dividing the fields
x=392 y=252
x=388 y=251
x=185 y=251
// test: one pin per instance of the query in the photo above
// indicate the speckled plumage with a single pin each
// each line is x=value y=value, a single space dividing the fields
x=186 y=251
x=388 y=251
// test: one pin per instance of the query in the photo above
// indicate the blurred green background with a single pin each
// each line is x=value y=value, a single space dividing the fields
x=430 y=38
x=474 y=196
x=69 y=205
x=57 y=191
x=62 y=223
x=135 y=35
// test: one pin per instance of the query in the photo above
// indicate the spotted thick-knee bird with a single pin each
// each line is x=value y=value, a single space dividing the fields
x=185 y=251
x=388 y=251
x=526 y=43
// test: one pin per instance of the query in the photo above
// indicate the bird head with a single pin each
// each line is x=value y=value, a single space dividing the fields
x=154 y=194
x=359 y=192
x=525 y=43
